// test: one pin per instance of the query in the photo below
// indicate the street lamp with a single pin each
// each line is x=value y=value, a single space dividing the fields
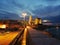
x=24 y=16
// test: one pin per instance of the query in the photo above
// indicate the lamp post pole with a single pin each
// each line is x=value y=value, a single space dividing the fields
x=24 y=16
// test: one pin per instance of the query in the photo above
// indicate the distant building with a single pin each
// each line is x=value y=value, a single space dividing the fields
x=38 y=21
x=30 y=20
x=34 y=21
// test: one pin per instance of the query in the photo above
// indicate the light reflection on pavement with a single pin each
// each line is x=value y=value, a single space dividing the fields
x=6 y=38
x=24 y=37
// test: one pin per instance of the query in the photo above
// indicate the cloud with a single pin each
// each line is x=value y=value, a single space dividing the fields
x=10 y=6
x=51 y=0
x=8 y=16
x=19 y=5
x=47 y=11
x=54 y=19
x=35 y=7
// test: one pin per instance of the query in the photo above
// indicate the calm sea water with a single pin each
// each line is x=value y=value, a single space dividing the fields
x=55 y=32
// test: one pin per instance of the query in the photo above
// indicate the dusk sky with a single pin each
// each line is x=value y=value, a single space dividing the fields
x=41 y=8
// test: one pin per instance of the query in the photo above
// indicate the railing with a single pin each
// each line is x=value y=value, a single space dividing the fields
x=17 y=39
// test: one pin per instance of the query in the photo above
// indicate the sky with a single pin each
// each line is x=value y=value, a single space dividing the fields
x=40 y=8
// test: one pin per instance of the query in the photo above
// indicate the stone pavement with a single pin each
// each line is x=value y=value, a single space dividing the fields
x=41 y=38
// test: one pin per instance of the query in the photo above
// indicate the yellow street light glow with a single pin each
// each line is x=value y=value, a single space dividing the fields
x=28 y=27
x=2 y=26
x=24 y=37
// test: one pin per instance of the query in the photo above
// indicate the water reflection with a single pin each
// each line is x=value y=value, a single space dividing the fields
x=55 y=32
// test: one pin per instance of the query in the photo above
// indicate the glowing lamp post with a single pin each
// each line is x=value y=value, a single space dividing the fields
x=24 y=16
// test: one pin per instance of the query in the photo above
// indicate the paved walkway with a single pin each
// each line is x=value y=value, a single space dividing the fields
x=42 y=38
x=6 y=39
